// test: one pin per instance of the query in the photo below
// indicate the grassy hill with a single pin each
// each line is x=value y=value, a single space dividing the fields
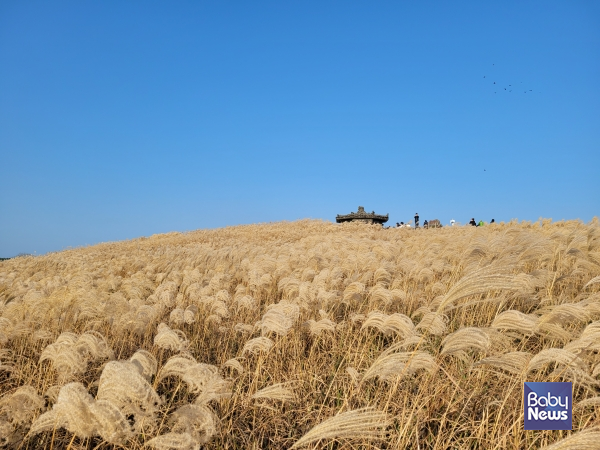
x=305 y=334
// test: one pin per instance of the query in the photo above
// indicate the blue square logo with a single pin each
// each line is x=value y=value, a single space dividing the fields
x=548 y=406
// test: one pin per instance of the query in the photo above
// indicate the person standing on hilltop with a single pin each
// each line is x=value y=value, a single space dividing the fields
x=416 y=220
x=472 y=222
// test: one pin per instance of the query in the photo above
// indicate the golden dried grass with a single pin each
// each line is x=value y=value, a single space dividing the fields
x=165 y=341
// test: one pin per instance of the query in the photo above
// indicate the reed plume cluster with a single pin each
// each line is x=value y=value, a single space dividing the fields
x=302 y=335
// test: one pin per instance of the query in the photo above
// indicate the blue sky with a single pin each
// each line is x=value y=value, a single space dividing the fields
x=125 y=119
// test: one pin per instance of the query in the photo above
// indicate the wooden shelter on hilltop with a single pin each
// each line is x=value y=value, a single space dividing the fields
x=362 y=216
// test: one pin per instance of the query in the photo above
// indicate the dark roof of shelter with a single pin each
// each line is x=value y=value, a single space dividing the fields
x=362 y=214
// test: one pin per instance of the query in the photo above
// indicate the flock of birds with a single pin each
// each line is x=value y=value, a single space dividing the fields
x=507 y=88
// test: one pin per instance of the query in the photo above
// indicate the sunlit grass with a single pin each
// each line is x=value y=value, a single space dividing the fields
x=304 y=334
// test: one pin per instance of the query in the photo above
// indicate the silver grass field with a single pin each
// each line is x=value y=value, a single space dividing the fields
x=302 y=335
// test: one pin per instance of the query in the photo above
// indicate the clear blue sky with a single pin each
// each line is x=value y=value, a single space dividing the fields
x=125 y=119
